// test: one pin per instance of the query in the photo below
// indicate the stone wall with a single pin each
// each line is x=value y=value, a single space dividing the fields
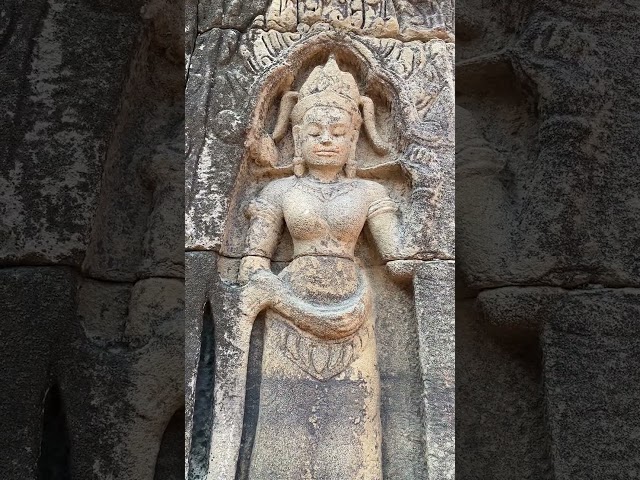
x=241 y=59
x=91 y=229
x=548 y=273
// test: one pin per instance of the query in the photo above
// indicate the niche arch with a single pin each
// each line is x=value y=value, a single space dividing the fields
x=262 y=160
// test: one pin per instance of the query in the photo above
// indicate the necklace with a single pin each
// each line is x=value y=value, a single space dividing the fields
x=324 y=191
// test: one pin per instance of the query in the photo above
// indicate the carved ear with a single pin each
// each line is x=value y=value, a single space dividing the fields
x=379 y=146
x=287 y=103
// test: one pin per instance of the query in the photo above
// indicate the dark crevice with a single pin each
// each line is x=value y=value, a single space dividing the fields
x=202 y=410
x=252 y=398
x=170 y=462
x=53 y=463
x=193 y=47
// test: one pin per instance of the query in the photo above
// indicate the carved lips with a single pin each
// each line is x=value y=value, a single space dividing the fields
x=326 y=151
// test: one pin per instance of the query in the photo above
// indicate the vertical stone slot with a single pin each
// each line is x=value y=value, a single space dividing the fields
x=202 y=413
x=252 y=398
x=170 y=462
x=53 y=463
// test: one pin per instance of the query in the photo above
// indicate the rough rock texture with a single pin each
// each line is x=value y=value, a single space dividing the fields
x=538 y=145
x=434 y=288
x=32 y=331
x=547 y=202
x=91 y=235
x=590 y=346
x=54 y=133
x=241 y=60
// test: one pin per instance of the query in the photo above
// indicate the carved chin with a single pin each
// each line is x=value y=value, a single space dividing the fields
x=323 y=159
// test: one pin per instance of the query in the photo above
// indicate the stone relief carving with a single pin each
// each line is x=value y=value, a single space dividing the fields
x=319 y=347
x=339 y=140
x=379 y=18
x=421 y=72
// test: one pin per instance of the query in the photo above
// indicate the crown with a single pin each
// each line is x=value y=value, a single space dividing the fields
x=327 y=86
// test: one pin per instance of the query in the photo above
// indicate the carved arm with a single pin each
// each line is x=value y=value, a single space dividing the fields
x=266 y=221
x=385 y=226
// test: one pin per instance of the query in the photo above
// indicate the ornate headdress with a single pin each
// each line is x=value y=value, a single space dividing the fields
x=328 y=86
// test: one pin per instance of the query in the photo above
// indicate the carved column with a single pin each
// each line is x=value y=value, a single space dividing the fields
x=305 y=278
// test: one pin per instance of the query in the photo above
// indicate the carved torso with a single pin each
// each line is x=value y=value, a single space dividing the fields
x=324 y=219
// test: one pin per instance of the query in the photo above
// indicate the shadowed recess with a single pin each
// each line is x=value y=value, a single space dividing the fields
x=202 y=415
x=53 y=463
x=170 y=463
x=252 y=398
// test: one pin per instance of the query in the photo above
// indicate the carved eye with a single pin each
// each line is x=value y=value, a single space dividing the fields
x=339 y=130
x=314 y=130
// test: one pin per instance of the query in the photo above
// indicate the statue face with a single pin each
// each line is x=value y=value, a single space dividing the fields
x=326 y=136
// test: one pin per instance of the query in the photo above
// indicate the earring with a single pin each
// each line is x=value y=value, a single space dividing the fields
x=298 y=166
x=350 y=169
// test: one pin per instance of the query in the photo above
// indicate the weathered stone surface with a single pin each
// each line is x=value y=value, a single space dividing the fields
x=38 y=311
x=434 y=290
x=91 y=153
x=500 y=409
x=139 y=227
x=54 y=132
x=199 y=269
x=121 y=386
x=400 y=379
x=549 y=189
x=252 y=159
x=546 y=196
x=207 y=188
x=591 y=347
x=427 y=113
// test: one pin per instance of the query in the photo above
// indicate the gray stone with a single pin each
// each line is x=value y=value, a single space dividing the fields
x=236 y=79
x=542 y=97
x=434 y=291
x=121 y=391
x=53 y=128
x=591 y=347
x=38 y=312
x=500 y=410
x=199 y=269
x=91 y=153
x=546 y=198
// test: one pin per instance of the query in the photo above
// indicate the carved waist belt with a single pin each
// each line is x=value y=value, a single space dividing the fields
x=323 y=339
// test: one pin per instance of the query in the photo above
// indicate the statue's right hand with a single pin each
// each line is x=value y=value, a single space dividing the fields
x=262 y=290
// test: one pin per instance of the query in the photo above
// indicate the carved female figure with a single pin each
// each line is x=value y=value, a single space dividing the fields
x=319 y=414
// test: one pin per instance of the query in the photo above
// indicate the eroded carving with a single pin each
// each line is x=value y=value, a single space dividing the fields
x=319 y=411
x=378 y=18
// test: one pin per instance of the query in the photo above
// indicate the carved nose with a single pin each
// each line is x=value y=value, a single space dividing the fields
x=325 y=137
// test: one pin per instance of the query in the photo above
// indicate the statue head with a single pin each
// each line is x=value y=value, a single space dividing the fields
x=326 y=119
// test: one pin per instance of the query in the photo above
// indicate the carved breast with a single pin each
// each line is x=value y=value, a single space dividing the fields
x=337 y=214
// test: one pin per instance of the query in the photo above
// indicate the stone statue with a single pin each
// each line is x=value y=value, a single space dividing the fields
x=319 y=414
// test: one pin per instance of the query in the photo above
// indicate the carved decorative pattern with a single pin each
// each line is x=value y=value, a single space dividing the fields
x=321 y=359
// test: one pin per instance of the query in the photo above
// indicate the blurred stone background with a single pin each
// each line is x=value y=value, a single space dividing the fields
x=547 y=208
x=91 y=235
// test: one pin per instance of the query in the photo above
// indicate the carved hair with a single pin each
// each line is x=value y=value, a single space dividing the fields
x=379 y=145
x=287 y=103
